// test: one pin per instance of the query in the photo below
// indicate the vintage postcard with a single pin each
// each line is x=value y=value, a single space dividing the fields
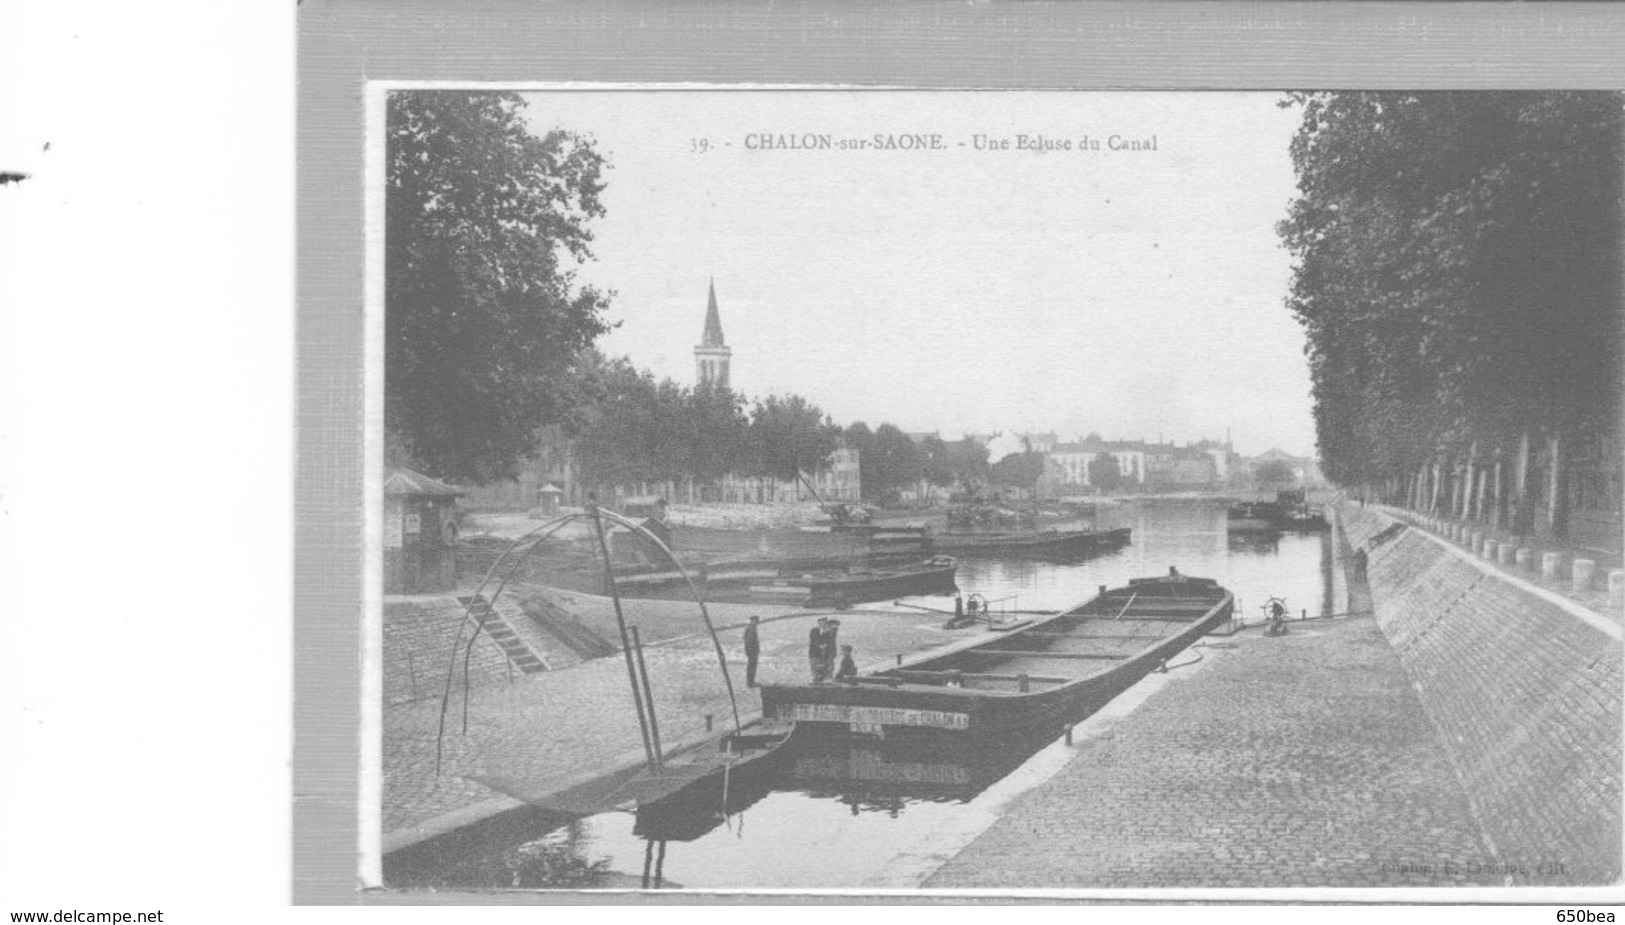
x=1016 y=492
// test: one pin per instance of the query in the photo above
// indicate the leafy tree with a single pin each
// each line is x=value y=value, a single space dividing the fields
x=937 y=462
x=617 y=443
x=790 y=436
x=717 y=438
x=967 y=460
x=1019 y=470
x=892 y=462
x=484 y=323
x=1104 y=472
x=1457 y=271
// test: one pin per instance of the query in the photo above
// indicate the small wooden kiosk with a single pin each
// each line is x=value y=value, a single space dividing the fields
x=420 y=533
x=548 y=499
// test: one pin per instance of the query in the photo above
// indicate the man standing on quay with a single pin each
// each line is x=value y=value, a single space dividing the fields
x=815 y=650
x=753 y=651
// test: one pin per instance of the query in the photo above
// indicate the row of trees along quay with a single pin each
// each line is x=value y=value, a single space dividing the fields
x=638 y=430
x=489 y=335
x=1458 y=274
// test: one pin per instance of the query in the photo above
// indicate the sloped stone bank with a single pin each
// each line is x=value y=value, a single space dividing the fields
x=1524 y=692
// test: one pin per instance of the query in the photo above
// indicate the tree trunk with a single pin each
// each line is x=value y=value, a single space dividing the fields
x=1522 y=522
x=1470 y=482
x=1497 y=499
x=1433 y=503
x=1460 y=493
x=1557 y=519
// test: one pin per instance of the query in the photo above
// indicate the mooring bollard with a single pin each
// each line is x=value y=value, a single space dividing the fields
x=1487 y=552
x=1021 y=682
x=1584 y=571
x=1069 y=735
x=1525 y=558
x=899 y=658
x=1506 y=553
x=1616 y=586
x=1550 y=562
x=709 y=720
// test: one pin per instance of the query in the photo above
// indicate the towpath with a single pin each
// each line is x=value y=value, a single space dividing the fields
x=1300 y=761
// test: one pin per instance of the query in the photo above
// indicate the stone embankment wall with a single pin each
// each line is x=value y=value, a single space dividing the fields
x=418 y=635
x=1524 y=691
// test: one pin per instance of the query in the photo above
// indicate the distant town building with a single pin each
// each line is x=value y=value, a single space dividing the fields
x=712 y=357
x=1171 y=467
x=1073 y=459
x=1305 y=469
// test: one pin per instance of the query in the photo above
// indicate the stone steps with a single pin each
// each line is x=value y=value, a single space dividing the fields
x=496 y=626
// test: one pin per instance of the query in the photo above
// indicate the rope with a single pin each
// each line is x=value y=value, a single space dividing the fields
x=1126 y=606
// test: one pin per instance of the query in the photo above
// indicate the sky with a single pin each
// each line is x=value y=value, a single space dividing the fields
x=1134 y=293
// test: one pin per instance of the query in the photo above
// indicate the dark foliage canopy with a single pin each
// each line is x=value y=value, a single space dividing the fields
x=1019 y=470
x=1458 y=270
x=485 y=328
x=1104 y=472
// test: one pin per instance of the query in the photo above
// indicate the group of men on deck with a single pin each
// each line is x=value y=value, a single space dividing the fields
x=821 y=649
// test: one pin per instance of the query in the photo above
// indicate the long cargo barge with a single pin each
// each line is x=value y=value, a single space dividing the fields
x=1036 y=677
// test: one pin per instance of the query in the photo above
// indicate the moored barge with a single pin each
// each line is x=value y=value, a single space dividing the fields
x=1035 y=677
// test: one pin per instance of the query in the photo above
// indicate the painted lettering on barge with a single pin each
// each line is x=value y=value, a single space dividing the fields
x=876 y=716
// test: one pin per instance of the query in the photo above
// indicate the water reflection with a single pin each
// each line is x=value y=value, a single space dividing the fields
x=870 y=774
x=1260 y=544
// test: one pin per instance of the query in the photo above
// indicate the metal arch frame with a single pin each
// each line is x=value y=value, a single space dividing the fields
x=551 y=527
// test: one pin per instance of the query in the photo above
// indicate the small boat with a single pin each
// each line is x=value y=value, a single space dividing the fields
x=863 y=584
x=1038 y=676
x=1287 y=513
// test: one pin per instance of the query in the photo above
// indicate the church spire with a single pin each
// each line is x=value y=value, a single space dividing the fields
x=712 y=357
x=713 y=321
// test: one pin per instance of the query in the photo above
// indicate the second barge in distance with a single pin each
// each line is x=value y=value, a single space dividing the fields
x=1034 y=677
x=1035 y=542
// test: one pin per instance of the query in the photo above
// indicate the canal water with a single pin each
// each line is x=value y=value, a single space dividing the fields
x=840 y=815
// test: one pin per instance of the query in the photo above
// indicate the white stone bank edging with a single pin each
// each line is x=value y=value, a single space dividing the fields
x=1573 y=608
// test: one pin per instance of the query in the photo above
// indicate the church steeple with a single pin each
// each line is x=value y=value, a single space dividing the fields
x=713 y=321
x=712 y=356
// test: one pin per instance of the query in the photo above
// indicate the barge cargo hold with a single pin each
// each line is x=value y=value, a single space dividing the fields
x=1036 y=677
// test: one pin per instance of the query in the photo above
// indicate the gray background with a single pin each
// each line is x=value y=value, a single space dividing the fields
x=1192 y=45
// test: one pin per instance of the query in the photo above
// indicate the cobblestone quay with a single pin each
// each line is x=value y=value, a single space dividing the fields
x=1299 y=761
x=562 y=727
